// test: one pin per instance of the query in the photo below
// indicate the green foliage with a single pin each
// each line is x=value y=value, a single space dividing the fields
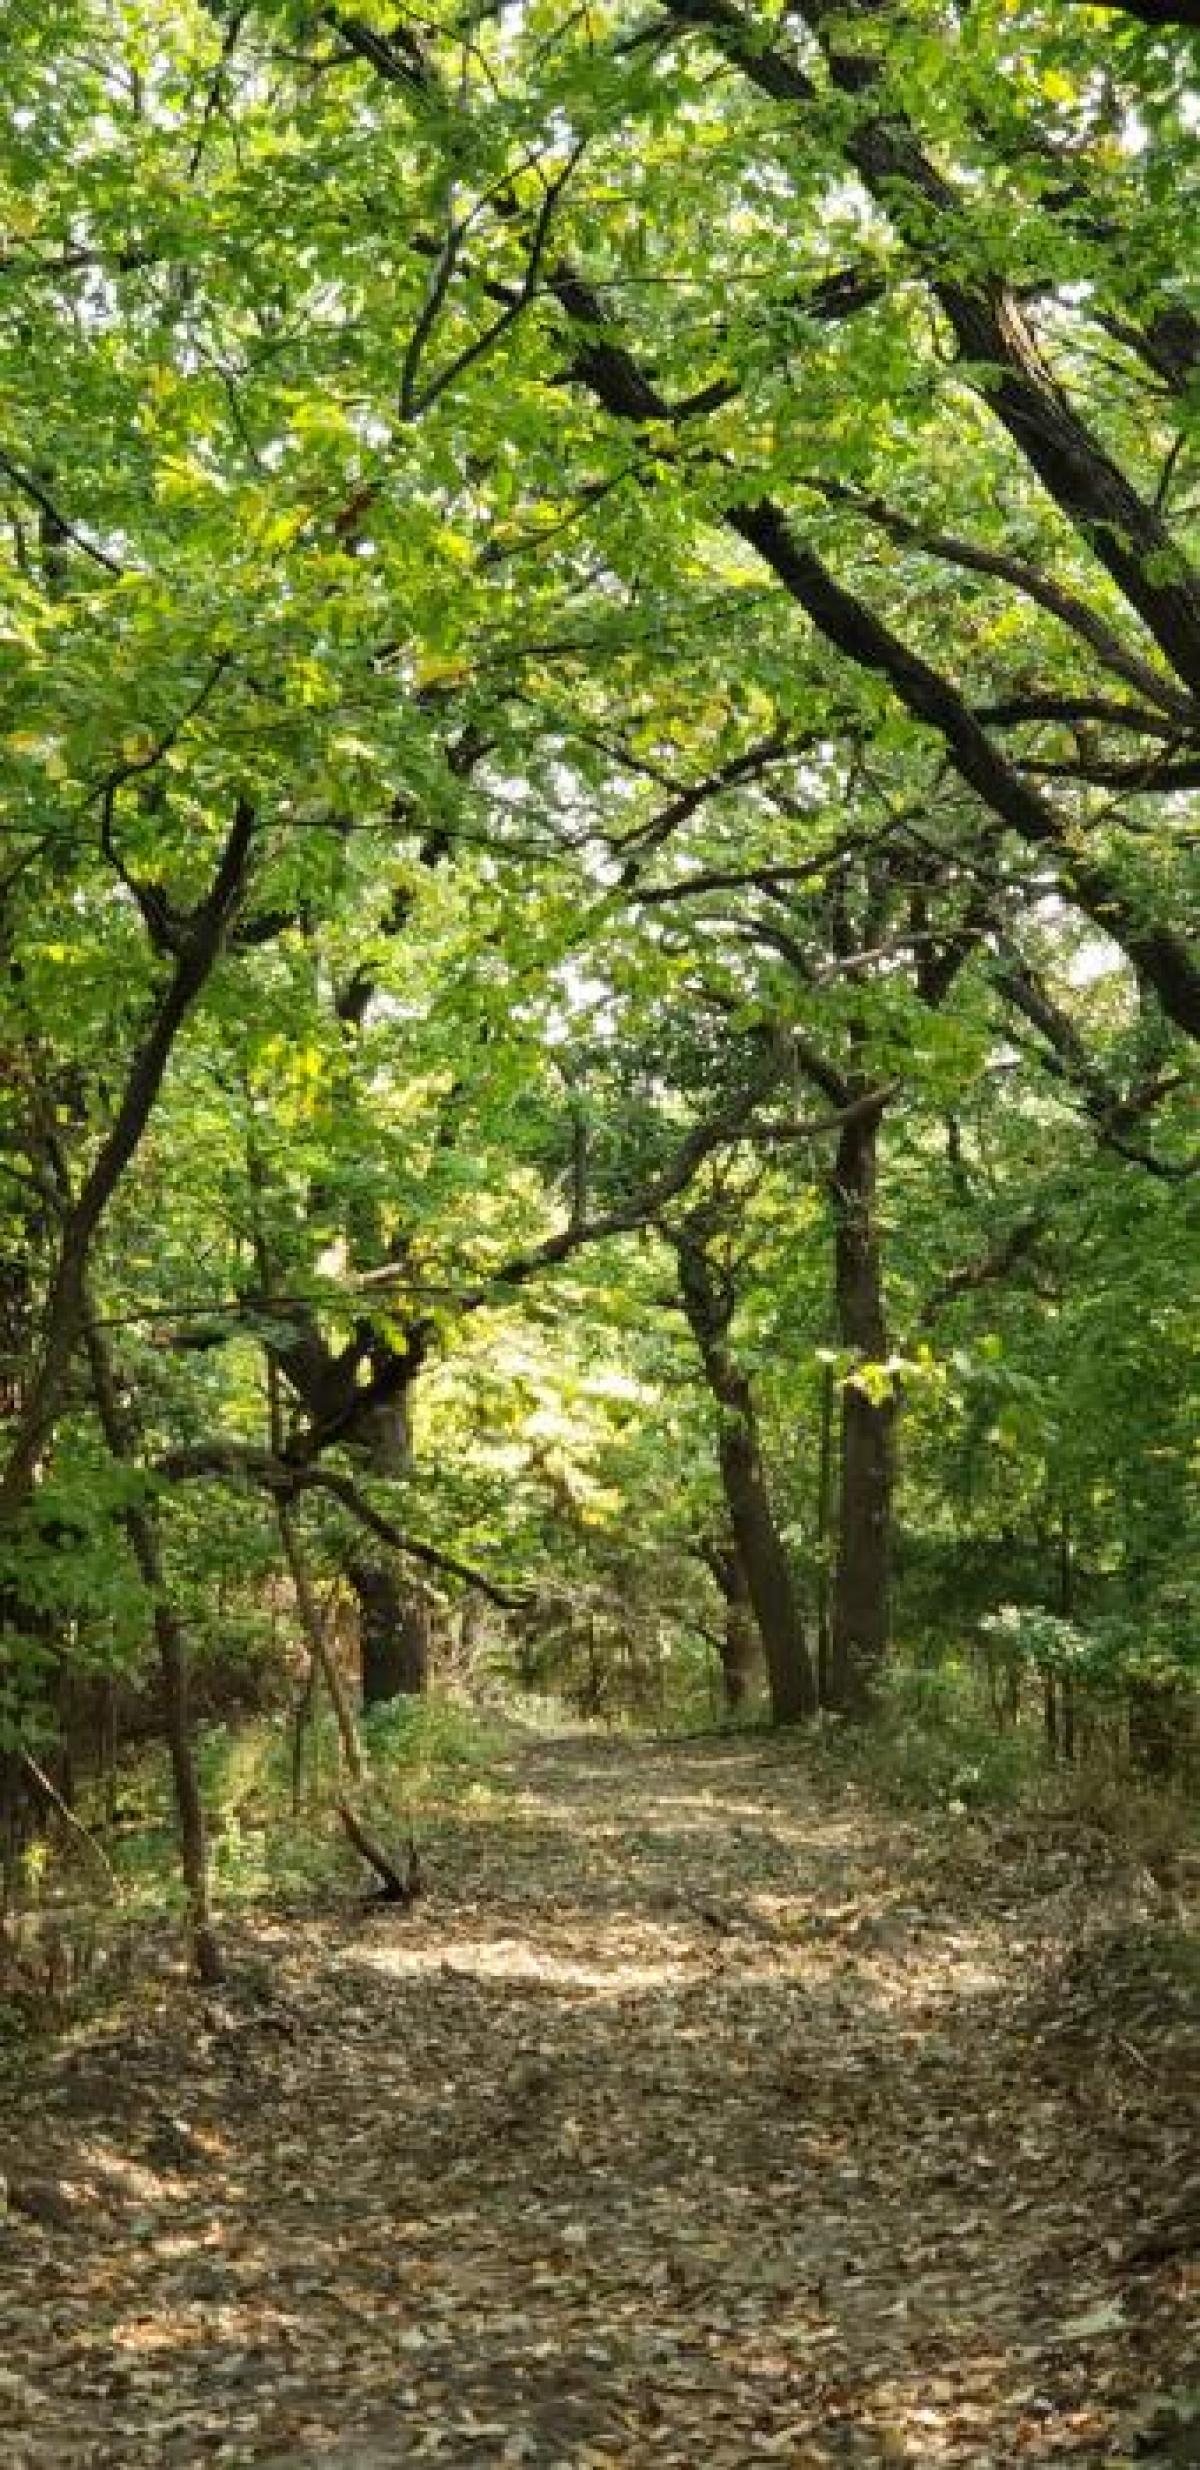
x=933 y=1743
x=1112 y=1655
x=425 y=1751
x=425 y=1755
x=682 y=558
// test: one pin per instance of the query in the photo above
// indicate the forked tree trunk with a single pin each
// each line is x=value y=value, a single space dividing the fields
x=708 y=1304
x=863 y=1575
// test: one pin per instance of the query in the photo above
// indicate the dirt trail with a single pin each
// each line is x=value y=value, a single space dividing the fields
x=701 y=2115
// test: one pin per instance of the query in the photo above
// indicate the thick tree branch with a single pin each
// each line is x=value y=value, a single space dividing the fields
x=1163 y=956
x=242 y=1462
x=1077 y=615
x=66 y=1304
x=814 y=1127
x=31 y=487
x=1128 y=536
x=991 y=1268
x=1021 y=710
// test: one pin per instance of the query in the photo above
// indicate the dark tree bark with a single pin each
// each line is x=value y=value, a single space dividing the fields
x=708 y=1302
x=1125 y=532
x=1167 y=959
x=370 y=1416
x=825 y=1508
x=69 y=1321
x=393 y=1610
x=1128 y=536
x=862 y=1578
x=738 y=1644
x=393 y=1631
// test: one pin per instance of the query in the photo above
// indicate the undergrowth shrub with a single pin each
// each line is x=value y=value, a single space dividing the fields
x=436 y=1747
x=932 y=1740
x=422 y=1755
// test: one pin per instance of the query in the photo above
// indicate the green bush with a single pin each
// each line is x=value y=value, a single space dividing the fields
x=933 y=1740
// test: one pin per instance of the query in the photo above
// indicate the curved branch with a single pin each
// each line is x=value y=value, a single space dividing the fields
x=233 y=1462
x=1014 y=711
x=32 y=488
x=972 y=557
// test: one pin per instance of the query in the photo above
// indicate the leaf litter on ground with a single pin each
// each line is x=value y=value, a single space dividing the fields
x=703 y=2113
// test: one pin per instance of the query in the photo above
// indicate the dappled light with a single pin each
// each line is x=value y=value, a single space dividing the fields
x=506 y=1959
x=654 y=2129
x=599 y=1234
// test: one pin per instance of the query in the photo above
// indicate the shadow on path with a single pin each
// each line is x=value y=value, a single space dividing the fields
x=702 y=2115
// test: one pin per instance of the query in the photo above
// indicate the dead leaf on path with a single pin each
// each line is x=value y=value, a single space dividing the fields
x=701 y=2115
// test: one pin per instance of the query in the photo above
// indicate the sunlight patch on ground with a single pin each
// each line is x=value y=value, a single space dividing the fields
x=693 y=1813
x=512 y=1959
x=945 y=1977
x=191 y=2326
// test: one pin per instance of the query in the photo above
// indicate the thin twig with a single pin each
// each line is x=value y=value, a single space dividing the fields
x=67 y=1814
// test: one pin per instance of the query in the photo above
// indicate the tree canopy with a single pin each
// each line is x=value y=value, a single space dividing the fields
x=599 y=897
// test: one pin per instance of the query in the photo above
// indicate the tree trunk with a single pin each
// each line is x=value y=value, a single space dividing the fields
x=1050 y=1716
x=393 y=1631
x=393 y=1612
x=1065 y=1727
x=764 y=1558
x=302 y=1716
x=825 y=1536
x=472 y=1634
x=738 y=1641
x=1157 y=1728
x=862 y=1578
x=189 y=1808
x=708 y=1303
x=142 y=1532
x=320 y=1649
x=107 y=1734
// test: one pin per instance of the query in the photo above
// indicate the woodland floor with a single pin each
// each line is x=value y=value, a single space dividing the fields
x=703 y=2113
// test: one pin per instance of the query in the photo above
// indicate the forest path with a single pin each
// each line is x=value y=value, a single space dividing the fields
x=702 y=2114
